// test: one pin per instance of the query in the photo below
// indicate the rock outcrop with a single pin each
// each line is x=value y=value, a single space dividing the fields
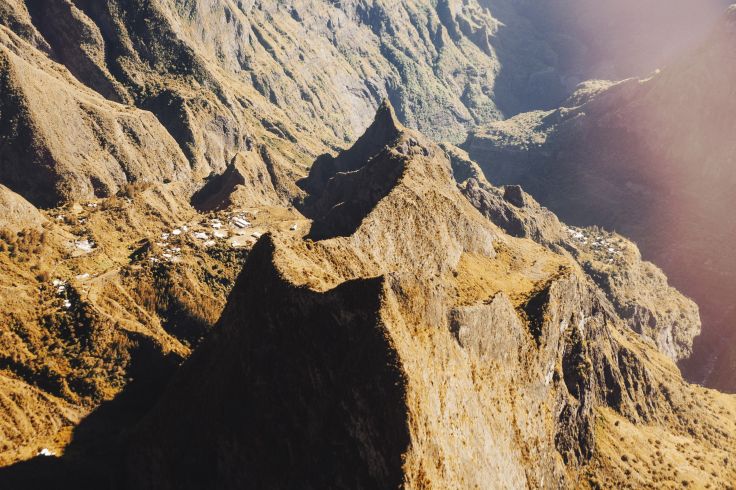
x=221 y=79
x=638 y=289
x=18 y=214
x=421 y=346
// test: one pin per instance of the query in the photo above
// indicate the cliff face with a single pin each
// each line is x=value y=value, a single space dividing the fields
x=65 y=76
x=658 y=151
x=639 y=290
x=202 y=83
x=420 y=345
x=216 y=74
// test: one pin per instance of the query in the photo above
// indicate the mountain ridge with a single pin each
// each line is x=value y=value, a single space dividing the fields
x=658 y=152
x=434 y=307
x=189 y=240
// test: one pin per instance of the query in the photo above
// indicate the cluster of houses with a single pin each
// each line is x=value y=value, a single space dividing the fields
x=603 y=246
x=235 y=230
x=60 y=289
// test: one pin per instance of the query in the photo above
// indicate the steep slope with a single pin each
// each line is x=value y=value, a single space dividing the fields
x=216 y=78
x=116 y=277
x=18 y=214
x=446 y=66
x=639 y=290
x=200 y=65
x=161 y=138
x=222 y=78
x=417 y=344
x=75 y=143
x=100 y=297
x=653 y=159
x=84 y=145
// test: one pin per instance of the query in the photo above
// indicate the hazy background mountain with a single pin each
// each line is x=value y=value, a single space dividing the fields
x=653 y=159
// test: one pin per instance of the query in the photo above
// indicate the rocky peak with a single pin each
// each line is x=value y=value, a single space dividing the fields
x=382 y=132
x=514 y=195
x=638 y=289
x=420 y=325
x=344 y=189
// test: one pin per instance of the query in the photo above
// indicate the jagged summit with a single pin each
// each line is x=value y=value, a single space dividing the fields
x=386 y=118
x=384 y=168
x=343 y=189
x=382 y=132
x=384 y=129
x=422 y=347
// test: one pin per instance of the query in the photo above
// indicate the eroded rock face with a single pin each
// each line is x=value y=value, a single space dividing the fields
x=75 y=143
x=424 y=347
x=664 y=163
x=198 y=66
x=221 y=79
x=214 y=81
x=335 y=344
x=638 y=289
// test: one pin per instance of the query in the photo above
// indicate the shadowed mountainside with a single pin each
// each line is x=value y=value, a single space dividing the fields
x=653 y=159
x=423 y=346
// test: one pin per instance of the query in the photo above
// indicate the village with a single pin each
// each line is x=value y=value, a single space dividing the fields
x=212 y=233
x=604 y=246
